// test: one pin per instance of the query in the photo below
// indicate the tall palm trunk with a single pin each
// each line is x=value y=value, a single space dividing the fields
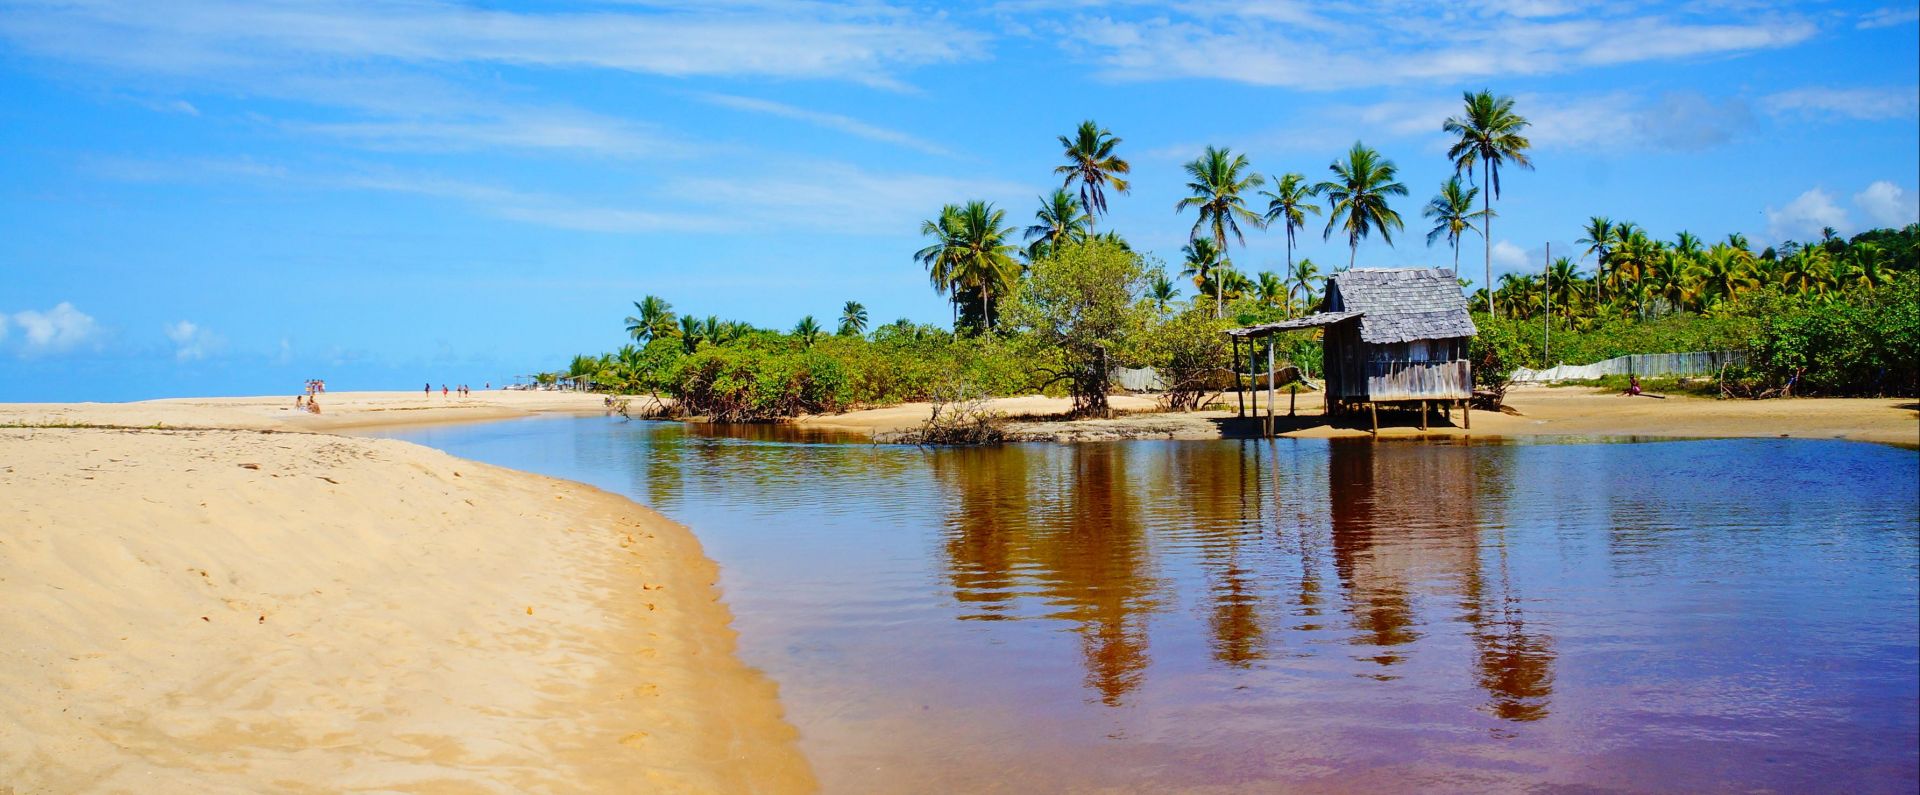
x=986 y=315
x=1486 y=224
x=1353 y=250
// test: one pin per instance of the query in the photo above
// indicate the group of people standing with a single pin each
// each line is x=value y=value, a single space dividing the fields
x=463 y=389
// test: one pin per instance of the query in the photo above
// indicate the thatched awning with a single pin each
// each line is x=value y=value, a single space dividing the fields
x=1315 y=320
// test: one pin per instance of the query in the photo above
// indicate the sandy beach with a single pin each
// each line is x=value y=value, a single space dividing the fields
x=233 y=609
x=1535 y=411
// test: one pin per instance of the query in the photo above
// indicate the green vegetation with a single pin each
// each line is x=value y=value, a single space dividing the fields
x=1061 y=312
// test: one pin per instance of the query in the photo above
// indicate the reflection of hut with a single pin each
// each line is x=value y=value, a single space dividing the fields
x=1392 y=336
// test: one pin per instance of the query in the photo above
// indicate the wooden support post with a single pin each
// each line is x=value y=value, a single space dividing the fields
x=1237 y=393
x=1423 y=415
x=1293 y=398
x=1374 y=409
x=1269 y=387
x=1466 y=413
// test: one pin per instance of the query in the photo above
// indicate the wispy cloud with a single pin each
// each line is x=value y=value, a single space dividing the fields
x=1319 y=48
x=1888 y=17
x=831 y=121
x=518 y=129
x=866 y=43
x=1870 y=104
x=1887 y=204
x=844 y=199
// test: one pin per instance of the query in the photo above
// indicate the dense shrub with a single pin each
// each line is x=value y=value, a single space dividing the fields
x=1861 y=342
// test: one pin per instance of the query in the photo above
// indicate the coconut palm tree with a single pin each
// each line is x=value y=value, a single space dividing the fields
x=1723 y=274
x=654 y=319
x=942 y=257
x=1357 y=197
x=1091 y=162
x=984 y=260
x=1599 y=243
x=1059 y=220
x=1203 y=258
x=853 y=319
x=1218 y=178
x=1489 y=137
x=690 y=334
x=1453 y=215
x=1563 y=284
x=1271 y=290
x=807 y=331
x=1300 y=281
x=1289 y=203
x=1161 y=291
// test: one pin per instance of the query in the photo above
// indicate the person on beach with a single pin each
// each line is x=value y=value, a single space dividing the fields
x=429 y=389
x=443 y=390
x=300 y=402
x=1633 y=385
x=314 y=405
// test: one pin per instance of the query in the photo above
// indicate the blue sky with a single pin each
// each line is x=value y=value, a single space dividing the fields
x=226 y=197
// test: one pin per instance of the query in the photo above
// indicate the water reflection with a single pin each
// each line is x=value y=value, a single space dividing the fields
x=1272 y=615
x=1081 y=530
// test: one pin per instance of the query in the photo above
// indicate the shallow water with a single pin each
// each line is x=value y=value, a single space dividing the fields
x=1300 y=614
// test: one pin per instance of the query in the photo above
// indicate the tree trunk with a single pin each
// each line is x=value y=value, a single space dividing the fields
x=986 y=316
x=1486 y=225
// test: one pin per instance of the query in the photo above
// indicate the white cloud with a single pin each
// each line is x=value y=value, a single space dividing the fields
x=1887 y=204
x=1805 y=216
x=531 y=129
x=832 y=121
x=1383 y=43
x=863 y=43
x=191 y=341
x=1870 y=104
x=842 y=198
x=1888 y=17
x=1508 y=256
x=56 y=330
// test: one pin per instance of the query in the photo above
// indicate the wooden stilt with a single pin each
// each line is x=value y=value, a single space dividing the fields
x=1466 y=414
x=1237 y=392
x=1423 y=415
x=1269 y=387
x=1374 y=409
x=1293 y=398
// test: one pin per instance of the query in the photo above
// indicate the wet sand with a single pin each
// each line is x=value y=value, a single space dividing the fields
x=230 y=610
x=1536 y=411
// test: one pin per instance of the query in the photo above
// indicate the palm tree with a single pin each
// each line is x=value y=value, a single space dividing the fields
x=718 y=332
x=1357 y=197
x=1599 y=242
x=1271 y=290
x=1289 y=202
x=942 y=257
x=1161 y=291
x=690 y=333
x=807 y=331
x=1060 y=221
x=853 y=319
x=1300 y=281
x=1453 y=214
x=1489 y=136
x=654 y=319
x=1203 y=259
x=1091 y=161
x=1217 y=184
x=1686 y=244
x=1563 y=284
x=1723 y=274
x=984 y=258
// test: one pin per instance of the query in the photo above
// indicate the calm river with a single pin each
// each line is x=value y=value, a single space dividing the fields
x=1732 y=615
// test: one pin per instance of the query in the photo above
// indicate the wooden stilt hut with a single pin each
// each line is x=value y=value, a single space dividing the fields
x=1394 y=336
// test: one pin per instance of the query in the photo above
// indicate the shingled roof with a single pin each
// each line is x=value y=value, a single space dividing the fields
x=1401 y=304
